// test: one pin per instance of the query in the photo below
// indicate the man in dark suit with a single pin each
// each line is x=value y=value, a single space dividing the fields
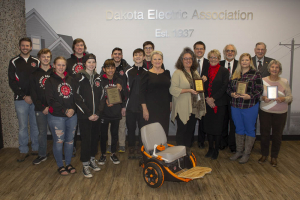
x=260 y=61
x=230 y=63
x=199 y=50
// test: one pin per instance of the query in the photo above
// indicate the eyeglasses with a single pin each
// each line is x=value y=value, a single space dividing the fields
x=228 y=51
x=148 y=48
x=186 y=59
x=213 y=58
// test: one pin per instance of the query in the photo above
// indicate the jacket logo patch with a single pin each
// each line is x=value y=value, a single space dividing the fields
x=65 y=90
x=121 y=72
x=97 y=83
x=77 y=68
x=33 y=64
x=42 y=81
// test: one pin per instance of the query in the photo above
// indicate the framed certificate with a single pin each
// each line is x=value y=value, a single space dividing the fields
x=113 y=95
x=241 y=87
x=272 y=92
x=199 y=87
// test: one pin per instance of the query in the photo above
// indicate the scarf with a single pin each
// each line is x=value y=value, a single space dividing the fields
x=199 y=105
x=212 y=72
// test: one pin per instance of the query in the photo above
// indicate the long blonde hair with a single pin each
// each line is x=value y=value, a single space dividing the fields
x=238 y=70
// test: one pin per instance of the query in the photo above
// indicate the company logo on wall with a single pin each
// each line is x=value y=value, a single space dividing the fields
x=159 y=15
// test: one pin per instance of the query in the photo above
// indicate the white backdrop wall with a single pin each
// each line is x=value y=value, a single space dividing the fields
x=273 y=21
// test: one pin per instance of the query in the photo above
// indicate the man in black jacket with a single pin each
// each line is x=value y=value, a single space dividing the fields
x=19 y=71
x=230 y=63
x=37 y=86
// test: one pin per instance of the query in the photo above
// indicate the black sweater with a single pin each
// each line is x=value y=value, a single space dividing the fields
x=88 y=94
x=60 y=94
x=19 y=72
x=37 y=88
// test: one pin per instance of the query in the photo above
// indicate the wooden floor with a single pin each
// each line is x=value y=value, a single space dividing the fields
x=229 y=179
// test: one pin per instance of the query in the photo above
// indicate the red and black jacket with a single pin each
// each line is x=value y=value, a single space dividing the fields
x=19 y=72
x=74 y=65
x=88 y=95
x=37 y=88
x=60 y=94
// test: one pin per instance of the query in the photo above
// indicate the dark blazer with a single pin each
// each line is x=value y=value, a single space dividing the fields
x=204 y=67
x=219 y=86
x=235 y=63
x=264 y=70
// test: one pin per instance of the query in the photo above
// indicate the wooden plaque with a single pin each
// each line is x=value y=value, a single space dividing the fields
x=113 y=95
x=199 y=86
x=241 y=88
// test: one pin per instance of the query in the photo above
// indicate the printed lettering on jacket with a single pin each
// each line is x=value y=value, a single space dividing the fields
x=65 y=90
x=77 y=67
x=42 y=81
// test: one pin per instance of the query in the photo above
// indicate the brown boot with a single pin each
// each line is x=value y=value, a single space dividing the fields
x=22 y=157
x=248 y=148
x=262 y=159
x=274 y=162
x=239 y=139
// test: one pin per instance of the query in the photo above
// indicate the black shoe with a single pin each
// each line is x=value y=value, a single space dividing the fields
x=93 y=165
x=86 y=171
x=209 y=153
x=222 y=147
x=201 y=145
x=114 y=159
x=38 y=160
x=215 y=155
x=102 y=160
x=232 y=150
x=131 y=154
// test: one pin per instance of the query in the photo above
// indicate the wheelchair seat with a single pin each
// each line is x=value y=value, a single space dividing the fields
x=154 y=134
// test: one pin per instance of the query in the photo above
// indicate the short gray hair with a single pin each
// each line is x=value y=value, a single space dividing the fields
x=261 y=43
x=225 y=48
x=275 y=62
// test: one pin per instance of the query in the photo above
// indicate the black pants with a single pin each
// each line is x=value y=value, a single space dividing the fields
x=185 y=132
x=228 y=138
x=214 y=141
x=131 y=119
x=201 y=133
x=114 y=130
x=89 y=131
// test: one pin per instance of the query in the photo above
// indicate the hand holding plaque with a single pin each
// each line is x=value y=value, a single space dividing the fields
x=199 y=87
x=272 y=92
x=113 y=95
x=241 y=87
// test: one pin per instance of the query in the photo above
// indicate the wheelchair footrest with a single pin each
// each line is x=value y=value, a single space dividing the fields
x=194 y=173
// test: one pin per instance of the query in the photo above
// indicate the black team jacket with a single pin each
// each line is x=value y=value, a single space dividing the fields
x=19 y=72
x=60 y=94
x=37 y=88
x=74 y=65
x=88 y=95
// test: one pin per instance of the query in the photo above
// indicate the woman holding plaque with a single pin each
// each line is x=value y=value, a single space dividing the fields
x=216 y=99
x=187 y=104
x=155 y=97
x=273 y=111
x=87 y=99
x=245 y=88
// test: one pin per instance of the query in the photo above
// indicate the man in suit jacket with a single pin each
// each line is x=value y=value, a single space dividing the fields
x=203 y=64
x=230 y=63
x=259 y=60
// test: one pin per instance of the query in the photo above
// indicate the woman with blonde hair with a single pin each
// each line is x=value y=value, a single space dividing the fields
x=244 y=107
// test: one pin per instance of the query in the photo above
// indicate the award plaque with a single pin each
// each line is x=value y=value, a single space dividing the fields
x=113 y=95
x=199 y=87
x=241 y=87
x=272 y=92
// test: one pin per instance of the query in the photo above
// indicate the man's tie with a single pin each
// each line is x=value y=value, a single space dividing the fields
x=199 y=66
x=229 y=69
x=259 y=65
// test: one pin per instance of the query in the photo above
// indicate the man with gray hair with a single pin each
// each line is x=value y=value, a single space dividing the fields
x=260 y=61
x=230 y=63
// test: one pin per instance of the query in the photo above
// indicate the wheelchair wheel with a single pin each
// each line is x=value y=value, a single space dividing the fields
x=153 y=175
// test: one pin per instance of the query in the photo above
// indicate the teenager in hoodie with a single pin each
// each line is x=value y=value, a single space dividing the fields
x=38 y=96
x=62 y=119
x=112 y=113
x=121 y=65
x=87 y=99
x=134 y=112
x=74 y=65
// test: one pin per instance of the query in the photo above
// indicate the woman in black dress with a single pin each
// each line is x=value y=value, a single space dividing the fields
x=155 y=97
x=216 y=99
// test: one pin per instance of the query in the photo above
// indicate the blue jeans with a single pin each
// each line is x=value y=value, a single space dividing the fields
x=42 y=124
x=63 y=131
x=24 y=110
x=245 y=120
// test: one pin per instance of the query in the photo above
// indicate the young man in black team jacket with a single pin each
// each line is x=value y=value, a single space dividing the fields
x=37 y=86
x=134 y=109
x=74 y=65
x=121 y=65
x=112 y=113
x=19 y=71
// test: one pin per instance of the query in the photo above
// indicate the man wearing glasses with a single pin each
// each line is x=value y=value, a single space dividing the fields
x=230 y=63
x=260 y=61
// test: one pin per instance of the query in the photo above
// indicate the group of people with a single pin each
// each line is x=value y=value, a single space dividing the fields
x=71 y=95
